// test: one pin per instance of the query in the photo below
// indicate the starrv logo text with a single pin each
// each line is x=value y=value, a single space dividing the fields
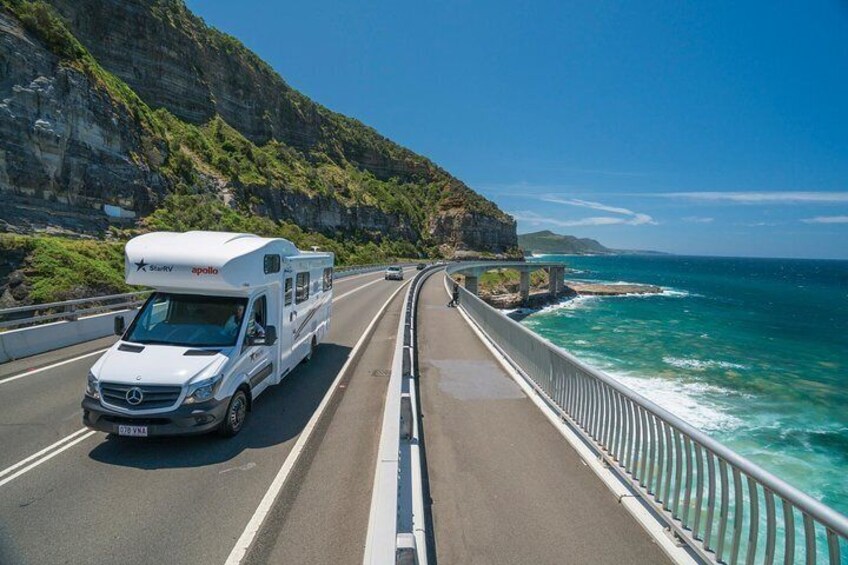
x=204 y=271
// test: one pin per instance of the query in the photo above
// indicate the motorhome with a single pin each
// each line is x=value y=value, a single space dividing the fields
x=230 y=315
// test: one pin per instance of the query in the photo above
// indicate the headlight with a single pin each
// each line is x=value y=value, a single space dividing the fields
x=202 y=391
x=91 y=386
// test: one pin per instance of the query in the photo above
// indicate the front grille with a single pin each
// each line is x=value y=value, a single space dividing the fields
x=154 y=396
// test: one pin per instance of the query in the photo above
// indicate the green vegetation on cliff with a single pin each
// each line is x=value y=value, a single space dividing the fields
x=58 y=268
x=181 y=212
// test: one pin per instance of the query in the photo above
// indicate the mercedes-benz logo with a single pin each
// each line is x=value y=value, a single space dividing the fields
x=134 y=396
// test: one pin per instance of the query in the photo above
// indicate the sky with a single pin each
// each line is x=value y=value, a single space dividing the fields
x=710 y=128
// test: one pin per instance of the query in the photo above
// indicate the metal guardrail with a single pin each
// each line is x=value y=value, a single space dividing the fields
x=69 y=310
x=725 y=507
x=397 y=523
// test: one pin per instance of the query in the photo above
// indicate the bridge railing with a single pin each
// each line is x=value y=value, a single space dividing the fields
x=725 y=507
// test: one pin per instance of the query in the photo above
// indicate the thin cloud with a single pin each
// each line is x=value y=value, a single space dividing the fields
x=698 y=220
x=826 y=220
x=758 y=224
x=535 y=218
x=761 y=197
x=629 y=217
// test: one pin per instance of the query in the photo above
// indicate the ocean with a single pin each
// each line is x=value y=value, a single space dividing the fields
x=752 y=351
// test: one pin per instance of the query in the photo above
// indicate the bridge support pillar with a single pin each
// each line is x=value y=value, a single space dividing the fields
x=471 y=284
x=524 y=286
x=556 y=282
x=552 y=287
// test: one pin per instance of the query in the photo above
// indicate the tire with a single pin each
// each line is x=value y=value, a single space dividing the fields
x=235 y=416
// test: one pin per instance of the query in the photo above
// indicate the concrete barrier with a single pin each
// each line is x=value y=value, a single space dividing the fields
x=23 y=342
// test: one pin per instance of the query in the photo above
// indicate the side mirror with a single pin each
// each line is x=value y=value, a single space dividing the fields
x=270 y=337
x=119 y=325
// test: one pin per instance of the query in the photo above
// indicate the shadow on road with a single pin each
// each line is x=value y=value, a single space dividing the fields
x=279 y=415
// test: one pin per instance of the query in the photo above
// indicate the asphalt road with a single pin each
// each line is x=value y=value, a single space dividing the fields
x=187 y=500
x=505 y=486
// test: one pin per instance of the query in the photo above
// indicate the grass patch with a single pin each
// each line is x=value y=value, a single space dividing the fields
x=504 y=281
x=58 y=268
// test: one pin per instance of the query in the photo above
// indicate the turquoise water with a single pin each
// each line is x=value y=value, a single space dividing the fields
x=752 y=351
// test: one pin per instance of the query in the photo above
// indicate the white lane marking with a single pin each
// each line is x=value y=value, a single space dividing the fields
x=48 y=456
x=53 y=366
x=246 y=538
x=8 y=470
x=357 y=289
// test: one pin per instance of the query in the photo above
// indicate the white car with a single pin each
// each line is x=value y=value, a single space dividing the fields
x=394 y=273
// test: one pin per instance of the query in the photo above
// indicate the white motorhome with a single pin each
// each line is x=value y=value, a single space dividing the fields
x=231 y=314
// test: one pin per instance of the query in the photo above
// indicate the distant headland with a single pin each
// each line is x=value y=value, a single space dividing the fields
x=548 y=242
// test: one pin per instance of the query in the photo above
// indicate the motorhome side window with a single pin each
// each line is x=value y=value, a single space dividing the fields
x=302 y=287
x=328 y=278
x=272 y=264
x=288 y=292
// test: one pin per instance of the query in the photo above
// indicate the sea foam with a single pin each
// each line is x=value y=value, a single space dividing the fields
x=701 y=364
x=685 y=400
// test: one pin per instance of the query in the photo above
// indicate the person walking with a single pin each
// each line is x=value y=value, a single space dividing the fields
x=454 y=296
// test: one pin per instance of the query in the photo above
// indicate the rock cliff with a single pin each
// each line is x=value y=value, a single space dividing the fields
x=65 y=147
x=120 y=102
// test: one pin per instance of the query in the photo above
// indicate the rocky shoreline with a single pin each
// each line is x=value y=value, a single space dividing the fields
x=540 y=297
x=601 y=289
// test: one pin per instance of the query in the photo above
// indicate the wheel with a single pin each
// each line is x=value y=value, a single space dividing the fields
x=235 y=416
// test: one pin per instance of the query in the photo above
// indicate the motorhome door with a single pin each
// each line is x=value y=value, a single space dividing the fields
x=258 y=359
x=287 y=324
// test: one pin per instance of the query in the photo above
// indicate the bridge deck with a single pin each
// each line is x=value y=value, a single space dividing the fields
x=505 y=486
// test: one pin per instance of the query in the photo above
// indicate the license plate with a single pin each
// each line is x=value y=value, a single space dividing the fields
x=133 y=431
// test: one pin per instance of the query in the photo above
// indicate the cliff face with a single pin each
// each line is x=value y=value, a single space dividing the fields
x=64 y=146
x=69 y=146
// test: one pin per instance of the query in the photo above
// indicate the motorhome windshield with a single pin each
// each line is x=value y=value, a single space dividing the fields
x=188 y=320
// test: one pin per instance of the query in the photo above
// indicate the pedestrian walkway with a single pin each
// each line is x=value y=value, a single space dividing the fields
x=506 y=487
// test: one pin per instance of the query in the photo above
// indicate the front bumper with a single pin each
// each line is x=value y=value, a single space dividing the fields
x=184 y=420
